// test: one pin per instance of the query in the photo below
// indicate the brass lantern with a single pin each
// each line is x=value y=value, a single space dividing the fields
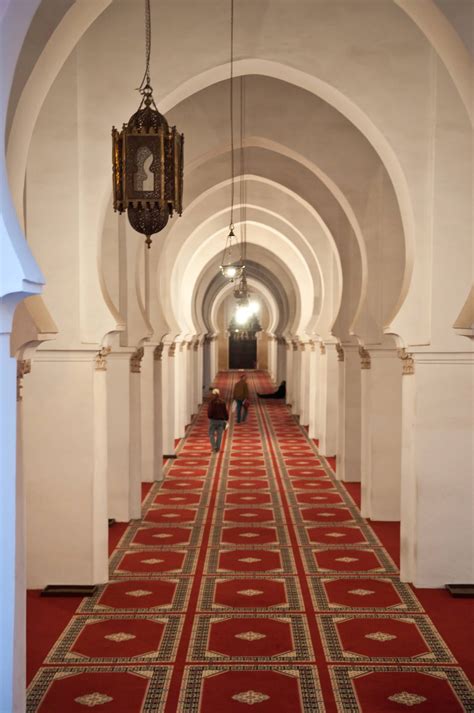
x=147 y=158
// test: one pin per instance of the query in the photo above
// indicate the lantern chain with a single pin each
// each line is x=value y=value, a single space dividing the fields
x=232 y=113
x=146 y=81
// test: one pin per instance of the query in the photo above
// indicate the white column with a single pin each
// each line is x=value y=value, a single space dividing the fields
x=65 y=466
x=304 y=383
x=168 y=397
x=381 y=402
x=313 y=389
x=213 y=358
x=118 y=435
x=328 y=400
x=437 y=504
x=349 y=414
x=147 y=419
x=23 y=367
x=289 y=374
x=135 y=492
x=199 y=374
x=157 y=414
x=281 y=362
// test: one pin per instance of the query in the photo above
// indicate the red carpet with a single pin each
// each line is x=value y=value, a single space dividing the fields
x=252 y=582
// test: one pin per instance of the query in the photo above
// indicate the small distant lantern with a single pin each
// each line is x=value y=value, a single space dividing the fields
x=147 y=157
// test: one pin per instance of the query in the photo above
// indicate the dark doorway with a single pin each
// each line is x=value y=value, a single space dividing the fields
x=242 y=353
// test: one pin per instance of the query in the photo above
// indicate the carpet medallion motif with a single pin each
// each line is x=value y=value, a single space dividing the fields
x=252 y=583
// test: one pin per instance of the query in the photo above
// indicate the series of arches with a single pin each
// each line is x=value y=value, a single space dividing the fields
x=356 y=194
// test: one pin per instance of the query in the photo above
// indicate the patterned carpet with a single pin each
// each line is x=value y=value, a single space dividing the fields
x=252 y=583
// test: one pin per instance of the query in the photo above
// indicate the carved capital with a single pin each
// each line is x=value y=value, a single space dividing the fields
x=408 y=363
x=340 y=352
x=196 y=345
x=312 y=345
x=364 y=358
x=302 y=346
x=101 y=359
x=23 y=367
x=158 y=352
x=172 y=349
x=322 y=348
x=294 y=344
x=135 y=360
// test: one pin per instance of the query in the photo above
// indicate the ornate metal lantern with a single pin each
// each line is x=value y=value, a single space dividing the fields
x=147 y=157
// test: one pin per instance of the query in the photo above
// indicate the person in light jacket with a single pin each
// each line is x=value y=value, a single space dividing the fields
x=218 y=417
x=241 y=395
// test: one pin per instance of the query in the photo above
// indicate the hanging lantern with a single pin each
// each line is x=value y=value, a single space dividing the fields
x=147 y=157
x=231 y=264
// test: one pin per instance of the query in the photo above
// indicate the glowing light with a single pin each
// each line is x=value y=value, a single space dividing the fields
x=254 y=307
x=242 y=315
x=230 y=271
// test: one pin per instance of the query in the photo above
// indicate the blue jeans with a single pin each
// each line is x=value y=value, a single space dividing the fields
x=216 y=429
x=241 y=410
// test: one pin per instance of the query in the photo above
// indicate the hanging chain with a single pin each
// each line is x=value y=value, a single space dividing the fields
x=232 y=113
x=146 y=77
x=243 y=187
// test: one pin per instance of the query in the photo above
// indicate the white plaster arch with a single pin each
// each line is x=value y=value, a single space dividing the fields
x=186 y=273
x=260 y=289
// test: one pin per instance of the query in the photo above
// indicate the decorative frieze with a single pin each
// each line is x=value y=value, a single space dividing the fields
x=135 y=360
x=158 y=352
x=23 y=367
x=408 y=363
x=340 y=352
x=101 y=359
x=364 y=358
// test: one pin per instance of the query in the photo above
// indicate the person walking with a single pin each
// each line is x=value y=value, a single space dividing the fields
x=218 y=417
x=241 y=396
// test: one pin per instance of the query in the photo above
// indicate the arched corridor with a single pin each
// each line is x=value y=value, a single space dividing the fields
x=250 y=579
x=333 y=139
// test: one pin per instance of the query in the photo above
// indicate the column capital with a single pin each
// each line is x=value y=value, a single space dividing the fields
x=408 y=363
x=158 y=352
x=322 y=348
x=101 y=359
x=172 y=349
x=340 y=352
x=23 y=367
x=135 y=360
x=364 y=358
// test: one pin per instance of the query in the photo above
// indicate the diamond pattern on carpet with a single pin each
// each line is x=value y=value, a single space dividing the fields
x=251 y=583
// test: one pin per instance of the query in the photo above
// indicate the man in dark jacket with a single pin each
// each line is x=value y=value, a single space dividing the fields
x=241 y=396
x=218 y=417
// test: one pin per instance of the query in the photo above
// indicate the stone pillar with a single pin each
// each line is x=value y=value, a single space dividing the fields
x=147 y=406
x=135 y=492
x=304 y=383
x=437 y=501
x=198 y=374
x=118 y=435
x=65 y=457
x=281 y=362
x=296 y=371
x=168 y=397
x=381 y=401
x=349 y=414
x=214 y=357
x=313 y=388
x=157 y=413
x=328 y=399
x=206 y=366
x=289 y=373
x=19 y=618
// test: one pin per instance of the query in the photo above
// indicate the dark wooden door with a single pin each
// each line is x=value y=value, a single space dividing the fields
x=242 y=353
